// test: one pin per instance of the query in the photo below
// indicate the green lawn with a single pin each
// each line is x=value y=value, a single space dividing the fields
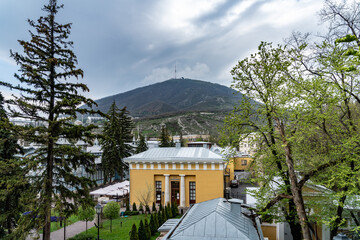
x=118 y=232
x=56 y=225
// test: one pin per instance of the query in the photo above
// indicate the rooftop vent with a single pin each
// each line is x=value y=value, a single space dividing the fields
x=178 y=145
x=235 y=205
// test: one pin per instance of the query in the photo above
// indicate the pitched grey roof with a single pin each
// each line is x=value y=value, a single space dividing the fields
x=171 y=154
x=214 y=220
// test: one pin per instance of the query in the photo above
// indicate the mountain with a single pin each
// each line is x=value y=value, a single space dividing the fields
x=174 y=96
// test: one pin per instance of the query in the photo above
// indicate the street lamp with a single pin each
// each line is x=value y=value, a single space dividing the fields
x=98 y=209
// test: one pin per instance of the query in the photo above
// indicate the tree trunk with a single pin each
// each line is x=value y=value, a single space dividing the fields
x=52 y=130
x=292 y=220
x=295 y=189
x=339 y=212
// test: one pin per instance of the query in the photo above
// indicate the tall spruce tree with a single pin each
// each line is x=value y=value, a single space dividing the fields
x=141 y=145
x=116 y=134
x=164 y=137
x=13 y=181
x=50 y=95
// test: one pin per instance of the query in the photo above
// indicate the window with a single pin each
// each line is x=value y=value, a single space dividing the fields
x=243 y=162
x=192 y=192
x=158 y=191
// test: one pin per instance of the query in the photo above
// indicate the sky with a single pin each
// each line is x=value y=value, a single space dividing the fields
x=125 y=44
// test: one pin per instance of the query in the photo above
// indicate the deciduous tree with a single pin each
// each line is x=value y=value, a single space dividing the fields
x=111 y=211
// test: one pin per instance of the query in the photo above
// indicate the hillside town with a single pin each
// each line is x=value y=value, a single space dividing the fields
x=275 y=156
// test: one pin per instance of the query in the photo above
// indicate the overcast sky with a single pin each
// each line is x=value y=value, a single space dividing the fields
x=125 y=44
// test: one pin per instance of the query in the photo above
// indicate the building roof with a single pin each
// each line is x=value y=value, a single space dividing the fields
x=168 y=225
x=216 y=220
x=172 y=154
x=117 y=189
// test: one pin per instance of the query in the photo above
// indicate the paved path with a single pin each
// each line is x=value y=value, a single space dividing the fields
x=71 y=231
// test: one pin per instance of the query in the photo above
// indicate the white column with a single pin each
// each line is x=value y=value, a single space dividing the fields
x=167 y=189
x=182 y=190
x=189 y=166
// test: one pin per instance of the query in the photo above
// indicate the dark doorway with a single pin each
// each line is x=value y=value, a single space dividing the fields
x=175 y=192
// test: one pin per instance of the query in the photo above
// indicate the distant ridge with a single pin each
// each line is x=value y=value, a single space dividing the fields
x=172 y=96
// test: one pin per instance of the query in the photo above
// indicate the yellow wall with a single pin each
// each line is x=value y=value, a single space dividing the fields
x=235 y=165
x=209 y=183
x=269 y=231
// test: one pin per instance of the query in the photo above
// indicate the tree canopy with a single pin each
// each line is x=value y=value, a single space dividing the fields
x=50 y=95
x=114 y=142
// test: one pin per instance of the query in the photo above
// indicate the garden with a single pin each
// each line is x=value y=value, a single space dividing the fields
x=135 y=224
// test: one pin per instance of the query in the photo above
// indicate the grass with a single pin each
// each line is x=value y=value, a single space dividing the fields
x=118 y=232
x=56 y=225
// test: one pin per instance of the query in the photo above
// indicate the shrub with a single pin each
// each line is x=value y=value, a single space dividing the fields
x=85 y=236
x=153 y=207
x=147 y=229
x=127 y=205
x=142 y=232
x=141 y=209
x=152 y=224
x=156 y=221
x=147 y=208
x=134 y=207
x=134 y=233
x=131 y=213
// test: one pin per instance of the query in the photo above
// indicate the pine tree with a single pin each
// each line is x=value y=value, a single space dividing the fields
x=127 y=205
x=156 y=221
x=116 y=134
x=174 y=209
x=50 y=98
x=160 y=207
x=147 y=208
x=164 y=215
x=141 y=145
x=141 y=208
x=160 y=218
x=168 y=211
x=142 y=232
x=134 y=233
x=182 y=142
x=164 y=138
x=12 y=174
x=172 y=143
x=134 y=207
x=147 y=229
x=153 y=207
x=152 y=224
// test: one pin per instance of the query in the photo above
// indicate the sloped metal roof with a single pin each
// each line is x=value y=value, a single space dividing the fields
x=171 y=154
x=168 y=225
x=214 y=220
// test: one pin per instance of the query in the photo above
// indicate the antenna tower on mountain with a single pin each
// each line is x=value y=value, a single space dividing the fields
x=175 y=69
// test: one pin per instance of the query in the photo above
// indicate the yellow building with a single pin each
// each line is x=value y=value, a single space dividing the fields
x=237 y=165
x=184 y=175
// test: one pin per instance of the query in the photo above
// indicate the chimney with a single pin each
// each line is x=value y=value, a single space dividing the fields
x=178 y=145
x=235 y=205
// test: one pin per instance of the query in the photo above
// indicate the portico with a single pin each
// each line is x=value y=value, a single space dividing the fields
x=182 y=175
